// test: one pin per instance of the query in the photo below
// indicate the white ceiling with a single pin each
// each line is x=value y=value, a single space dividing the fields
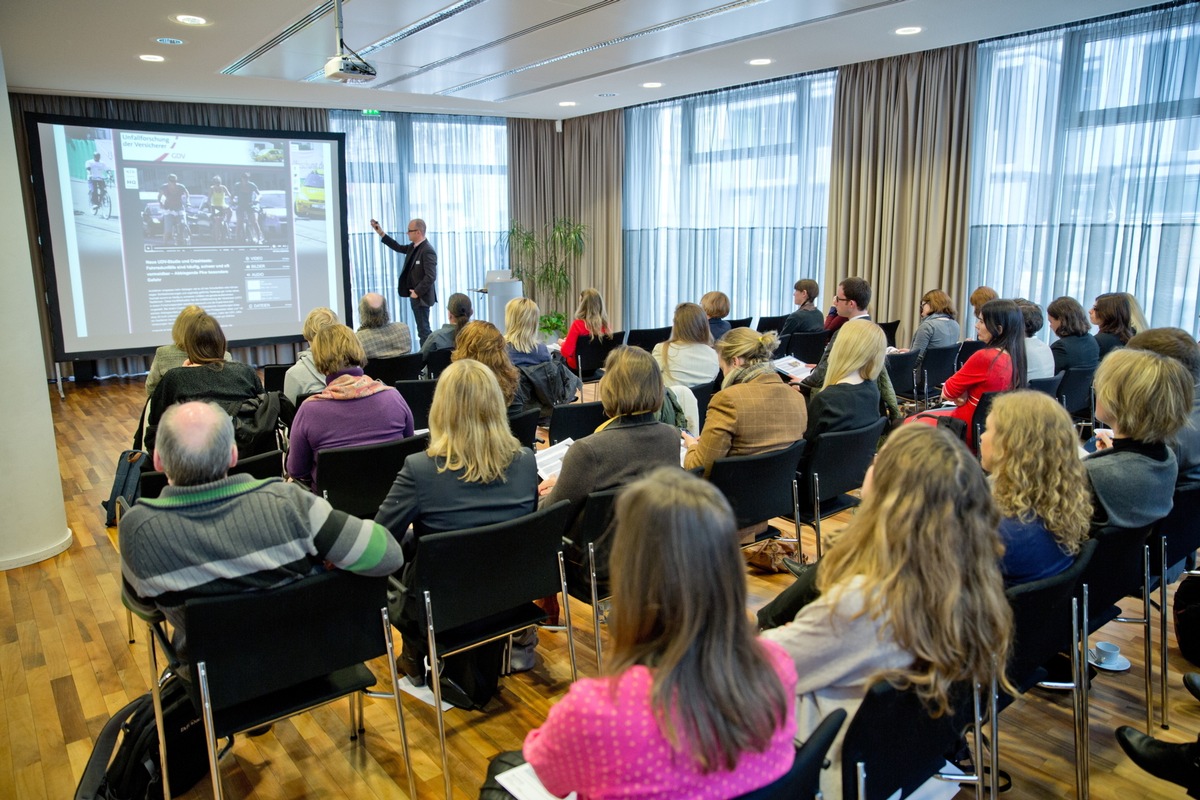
x=513 y=58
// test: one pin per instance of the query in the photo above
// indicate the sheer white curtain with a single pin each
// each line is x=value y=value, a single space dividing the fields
x=452 y=172
x=1086 y=163
x=727 y=191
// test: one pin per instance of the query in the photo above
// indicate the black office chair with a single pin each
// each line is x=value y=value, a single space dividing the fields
x=936 y=368
x=902 y=370
x=646 y=338
x=770 y=323
x=396 y=368
x=703 y=393
x=966 y=349
x=744 y=322
x=1175 y=537
x=781 y=346
x=759 y=487
x=524 y=426
x=1075 y=393
x=803 y=780
x=836 y=463
x=259 y=657
x=357 y=479
x=261 y=466
x=419 y=396
x=889 y=330
x=1047 y=385
x=590 y=353
x=575 y=420
x=273 y=375
x=437 y=361
x=586 y=548
x=979 y=418
x=808 y=347
x=471 y=601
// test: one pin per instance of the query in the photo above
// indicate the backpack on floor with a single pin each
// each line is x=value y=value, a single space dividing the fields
x=125 y=484
x=134 y=773
x=1187 y=618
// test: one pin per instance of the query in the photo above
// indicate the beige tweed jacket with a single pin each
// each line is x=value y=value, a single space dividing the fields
x=758 y=416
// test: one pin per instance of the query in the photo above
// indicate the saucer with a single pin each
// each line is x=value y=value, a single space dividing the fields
x=1119 y=664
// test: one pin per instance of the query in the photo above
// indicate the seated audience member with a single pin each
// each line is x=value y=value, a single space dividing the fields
x=173 y=355
x=716 y=308
x=704 y=708
x=998 y=367
x=938 y=327
x=483 y=342
x=303 y=377
x=898 y=601
x=1039 y=360
x=807 y=318
x=474 y=472
x=850 y=398
x=981 y=297
x=590 y=320
x=459 y=310
x=687 y=358
x=179 y=546
x=632 y=441
x=521 y=317
x=1146 y=399
x=1075 y=347
x=1031 y=449
x=1113 y=316
x=353 y=408
x=205 y=375
x=380 y=337
x=755 y=411
x=1178 y=344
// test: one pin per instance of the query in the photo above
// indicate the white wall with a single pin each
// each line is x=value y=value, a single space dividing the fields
x=34 y=520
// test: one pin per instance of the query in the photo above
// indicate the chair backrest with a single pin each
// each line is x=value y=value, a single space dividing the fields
x=575 y=420
x=646 y=338
x=803 y=780
x=840 y=459
x=590 y=353
x=264 y=465
x=1114 y=571
x=889 y=330
x=938 y=365
x=782 y=346
x=396 y=368
x=979 y=418
x=1181 y=526
x=808 y=347
x=900 y=744
x=255 y=643
x=900 y=368
x=1047 y=385
x=357 y=479
x=273 y=375
x=966 y=349
x=151 y=483
x=590 y=527
x=770 y=323
x=1042 y=618
x=437 y=361
x=740 y=323
x=419 y=396
x=478 y=572
x=703 y=392
x=524 y=425
x=758 y=487
x=1075 y=391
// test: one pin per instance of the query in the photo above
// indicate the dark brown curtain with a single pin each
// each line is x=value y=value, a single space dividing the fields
x=315 y=120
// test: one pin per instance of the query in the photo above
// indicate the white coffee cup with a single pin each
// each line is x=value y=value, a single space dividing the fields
x=1106 y=653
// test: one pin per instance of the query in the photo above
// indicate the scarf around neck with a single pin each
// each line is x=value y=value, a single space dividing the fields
x=747 y=373
x=351 y=387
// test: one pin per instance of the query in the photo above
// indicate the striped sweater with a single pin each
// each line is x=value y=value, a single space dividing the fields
x=240 y=534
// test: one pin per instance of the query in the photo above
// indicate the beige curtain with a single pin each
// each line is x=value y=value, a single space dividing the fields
x=314 y=120
x=900 y=179
x=577 y=174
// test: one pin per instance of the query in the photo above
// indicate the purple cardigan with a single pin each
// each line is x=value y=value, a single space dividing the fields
x=321 y=424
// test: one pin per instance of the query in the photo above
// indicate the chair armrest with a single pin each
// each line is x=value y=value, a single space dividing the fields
x=123 y=505
x=142 y=609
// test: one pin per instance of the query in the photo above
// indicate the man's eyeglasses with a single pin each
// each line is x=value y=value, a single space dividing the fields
x=840 y=300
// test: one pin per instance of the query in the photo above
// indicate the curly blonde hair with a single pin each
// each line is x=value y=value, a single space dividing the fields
x=1035 y=466
x=926 y=542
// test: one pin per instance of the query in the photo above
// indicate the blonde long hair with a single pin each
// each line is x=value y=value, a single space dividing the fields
x=926 y=543
x=468 y=426
x=860 y=348
x=1035 y=466
x=179 y=330
x=591 y=311
x=521 y=324
x=714 y=694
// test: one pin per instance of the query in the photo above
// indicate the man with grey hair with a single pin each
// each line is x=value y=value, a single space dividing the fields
x=212 y=533
x=418 y=277
x=380 y=337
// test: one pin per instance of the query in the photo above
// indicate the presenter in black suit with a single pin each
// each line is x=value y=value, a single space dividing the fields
x=419 y=274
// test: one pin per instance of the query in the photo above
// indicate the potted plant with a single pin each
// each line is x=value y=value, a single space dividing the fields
x=545 y=261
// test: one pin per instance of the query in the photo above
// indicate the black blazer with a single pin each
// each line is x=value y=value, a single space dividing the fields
x=420 y=270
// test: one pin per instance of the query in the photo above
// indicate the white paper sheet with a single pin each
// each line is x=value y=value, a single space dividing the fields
x=523 y=783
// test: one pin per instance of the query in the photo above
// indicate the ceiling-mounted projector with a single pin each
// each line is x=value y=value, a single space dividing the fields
x=347 y=69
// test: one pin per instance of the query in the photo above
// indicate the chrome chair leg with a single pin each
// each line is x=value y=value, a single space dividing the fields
x=566 y=608
x=595 y=608
x=391 y=657
x=435 y=677
x=816 y=495
x=214 y=758
x=1084 y=691
x=1164 y=668
x=129 y=624
x=156 y=696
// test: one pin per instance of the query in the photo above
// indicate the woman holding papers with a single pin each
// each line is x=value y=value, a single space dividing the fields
x=755 y=411
x=849 y=399
x=693 y=705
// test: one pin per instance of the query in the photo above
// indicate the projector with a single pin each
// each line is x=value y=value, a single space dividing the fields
x=344 y=69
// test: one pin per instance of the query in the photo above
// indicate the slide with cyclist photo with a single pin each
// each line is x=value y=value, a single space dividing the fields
x=142 y=222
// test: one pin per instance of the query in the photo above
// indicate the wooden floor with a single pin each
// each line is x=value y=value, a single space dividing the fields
x=65 y=667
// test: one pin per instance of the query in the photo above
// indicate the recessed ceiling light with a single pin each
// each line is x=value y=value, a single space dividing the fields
x=607 y=94
x=149 y=57
x=909 y=31
x=652 y=85
x=169 y=40
x=759 y=62
x=567 y=103
x=189 y=19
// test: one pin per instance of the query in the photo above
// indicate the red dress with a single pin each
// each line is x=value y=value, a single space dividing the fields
x=578 y=328
x=987 y=370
